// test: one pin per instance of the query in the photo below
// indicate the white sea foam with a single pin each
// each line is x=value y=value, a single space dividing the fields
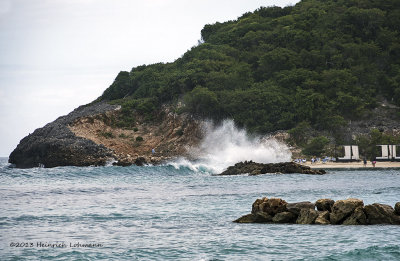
x=225 y=144
x=110 y=162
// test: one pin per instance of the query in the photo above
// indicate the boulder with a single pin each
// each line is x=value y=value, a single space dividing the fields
x=296 y=207
x=284 y=217
x=323 y=218
x=256 y=205
x=357 y=218
x=272 y=206
x=342 y=209
x=268 y=206
x=324 y=204
x=397 y=208
x=140 y=161
x=381 y=214
x=307 y=216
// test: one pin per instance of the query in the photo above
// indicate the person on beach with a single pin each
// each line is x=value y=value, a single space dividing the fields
x=365 y=162
x=373 y=163
x=153 y=151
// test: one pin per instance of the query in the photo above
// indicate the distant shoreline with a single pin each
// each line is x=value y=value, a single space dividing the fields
x=354 y=165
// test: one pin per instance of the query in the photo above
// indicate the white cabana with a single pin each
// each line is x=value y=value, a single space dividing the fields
x=356 y=154
x=394 y=152
x=347 y=153
x=350 y=153
x=388 y=152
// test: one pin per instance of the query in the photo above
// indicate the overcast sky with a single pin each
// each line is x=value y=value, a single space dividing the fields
x=58 y=54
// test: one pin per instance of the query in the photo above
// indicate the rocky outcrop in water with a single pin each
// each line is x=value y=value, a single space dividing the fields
x=253 y=168
x=93 y=135
x=342 y=212
x=55 y=145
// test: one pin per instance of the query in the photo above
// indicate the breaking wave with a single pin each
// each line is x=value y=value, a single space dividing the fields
x=225 y=144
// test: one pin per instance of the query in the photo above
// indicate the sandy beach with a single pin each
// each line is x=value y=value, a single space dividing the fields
x=352 y=165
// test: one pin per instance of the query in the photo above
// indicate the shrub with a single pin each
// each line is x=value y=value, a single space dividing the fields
x=299 y=134
x=179 y=132
x=316 y=147
x=139 y=138
x=107 y=134
x=201 y=101
x=122 y=135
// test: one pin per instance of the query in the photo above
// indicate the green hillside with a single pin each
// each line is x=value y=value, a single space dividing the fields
x=319 y=63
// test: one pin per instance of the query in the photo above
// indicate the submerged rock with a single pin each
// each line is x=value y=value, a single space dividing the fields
x=342 y=212
x=253 y=168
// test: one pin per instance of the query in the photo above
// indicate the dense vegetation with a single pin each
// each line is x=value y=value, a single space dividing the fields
x=319 y=63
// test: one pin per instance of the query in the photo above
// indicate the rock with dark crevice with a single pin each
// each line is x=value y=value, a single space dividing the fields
x=324 y=204
x=307 y=216
x=323 y=218
x=358 y=217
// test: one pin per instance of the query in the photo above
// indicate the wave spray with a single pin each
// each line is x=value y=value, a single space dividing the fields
x=224 y=145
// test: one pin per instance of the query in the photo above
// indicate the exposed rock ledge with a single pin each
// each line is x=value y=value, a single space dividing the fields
x=323 y=212
x=253 y=168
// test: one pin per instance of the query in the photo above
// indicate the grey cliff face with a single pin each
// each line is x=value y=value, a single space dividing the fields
x=55 y=145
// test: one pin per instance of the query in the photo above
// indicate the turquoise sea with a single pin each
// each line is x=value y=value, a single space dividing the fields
x=175 y=213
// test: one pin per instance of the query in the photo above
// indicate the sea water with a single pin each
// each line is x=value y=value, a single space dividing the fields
x=175 y=212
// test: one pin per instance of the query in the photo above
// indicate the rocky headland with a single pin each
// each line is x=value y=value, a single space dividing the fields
x=254 y=168
x=88 y=136
x=56 y=145
x=323 y=212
